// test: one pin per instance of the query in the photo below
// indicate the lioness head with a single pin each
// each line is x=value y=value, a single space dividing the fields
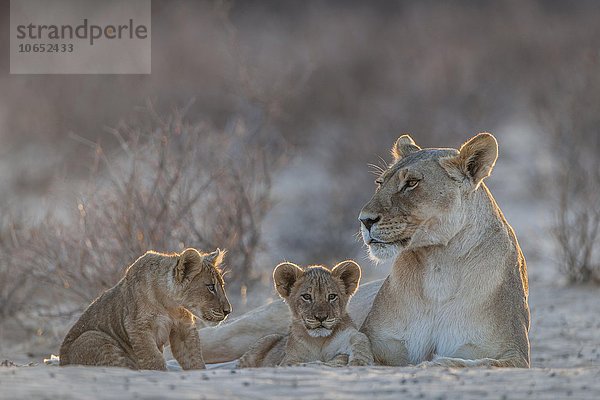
x=199 y=284
x=317 y=296
x=422 y=198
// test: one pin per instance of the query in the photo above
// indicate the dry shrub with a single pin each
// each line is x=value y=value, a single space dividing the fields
x=15 y=275
x=571 y=116
x=577 y=229
x=171 y=185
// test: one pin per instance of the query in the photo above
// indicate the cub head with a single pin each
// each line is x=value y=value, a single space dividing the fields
x=317 y=296
x=423 y=197
x=199 y=286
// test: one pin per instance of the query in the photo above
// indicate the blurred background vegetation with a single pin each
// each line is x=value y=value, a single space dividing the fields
x=254 y=132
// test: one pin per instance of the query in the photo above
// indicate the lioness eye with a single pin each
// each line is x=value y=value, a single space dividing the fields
x=411 y=183
x=332 y=297
x=307 y=297
x=211 y=287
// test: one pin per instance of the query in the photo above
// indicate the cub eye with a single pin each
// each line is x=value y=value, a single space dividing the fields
x=307 y=297
x=332 y=296
x=411 y=183
x=211 y=287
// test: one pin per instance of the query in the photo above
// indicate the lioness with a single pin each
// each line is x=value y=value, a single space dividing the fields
x=155 y=303
x=457 y=292
x=321 y=329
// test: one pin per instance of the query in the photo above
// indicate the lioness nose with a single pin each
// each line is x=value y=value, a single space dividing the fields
x=320 y=318
x=369 y=221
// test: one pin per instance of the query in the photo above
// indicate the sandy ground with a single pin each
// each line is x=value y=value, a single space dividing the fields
x=565 y=347
x=299 y=382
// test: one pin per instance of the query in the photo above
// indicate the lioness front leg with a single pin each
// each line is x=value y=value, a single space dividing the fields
x=456 y=362
x=146 y=351
x=360 y=350
x=186 y=347
x=385 y=348
x=381 y=329
x=471 y=355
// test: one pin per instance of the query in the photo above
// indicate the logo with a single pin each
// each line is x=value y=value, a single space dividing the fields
x=80 y=37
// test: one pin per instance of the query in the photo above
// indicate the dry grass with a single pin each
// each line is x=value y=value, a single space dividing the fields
x=171 y=185
x=577 y=231
x=569 y=112
x=15 y=277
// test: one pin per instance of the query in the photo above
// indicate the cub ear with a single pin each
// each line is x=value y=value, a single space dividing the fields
x=284 y=276
x=188 y=261
x=349 y=272
x=403 y=147
x=216 y=257
x=475 y=160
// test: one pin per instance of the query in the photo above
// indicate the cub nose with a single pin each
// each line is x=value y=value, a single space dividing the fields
x=369 y=221
x=320 y=318
x=226 y=311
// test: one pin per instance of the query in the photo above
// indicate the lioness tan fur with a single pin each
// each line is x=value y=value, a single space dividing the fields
x=457 y=292
x=321 y=329
x=154 y=304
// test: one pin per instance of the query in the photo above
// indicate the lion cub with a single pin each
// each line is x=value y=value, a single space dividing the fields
x=321 y=329
x=154 y=304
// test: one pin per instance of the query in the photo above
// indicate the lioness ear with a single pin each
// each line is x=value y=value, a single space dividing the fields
x=216 y=257
x=284 y=276
x=188 y=261
x=475 y=160
x=403 y=147
x=349 y=272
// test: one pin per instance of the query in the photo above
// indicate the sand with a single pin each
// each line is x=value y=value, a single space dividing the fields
x=300 y=382
x=565 y=343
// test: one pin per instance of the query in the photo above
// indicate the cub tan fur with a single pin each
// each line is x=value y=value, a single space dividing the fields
x=457 y=292
x=321 y=329
x=154 y=304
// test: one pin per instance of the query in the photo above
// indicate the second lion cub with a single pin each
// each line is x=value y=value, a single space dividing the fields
x=321 y=329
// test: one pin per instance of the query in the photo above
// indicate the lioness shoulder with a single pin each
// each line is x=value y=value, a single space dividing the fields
x=321 y=329
x=154 y=304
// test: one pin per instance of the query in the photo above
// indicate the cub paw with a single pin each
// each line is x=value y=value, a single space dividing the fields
x=341 y=360
x=359 y=362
